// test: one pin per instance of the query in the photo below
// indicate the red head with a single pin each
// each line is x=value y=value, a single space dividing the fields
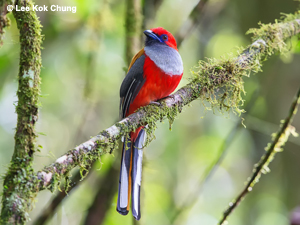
x=160 y=35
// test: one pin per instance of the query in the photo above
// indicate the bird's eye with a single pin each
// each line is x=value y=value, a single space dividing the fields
x=165 y=37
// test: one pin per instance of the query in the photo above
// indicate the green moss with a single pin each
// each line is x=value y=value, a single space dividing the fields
x=19 y=192
x=222 y=84
x=221 y=81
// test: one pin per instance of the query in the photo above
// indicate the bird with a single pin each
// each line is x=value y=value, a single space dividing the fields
x=154 y=73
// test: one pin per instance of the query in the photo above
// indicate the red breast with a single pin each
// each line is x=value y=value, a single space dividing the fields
x=158 y=85
x=161 y=69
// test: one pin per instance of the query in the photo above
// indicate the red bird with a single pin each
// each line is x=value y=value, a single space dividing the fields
x=154 y=73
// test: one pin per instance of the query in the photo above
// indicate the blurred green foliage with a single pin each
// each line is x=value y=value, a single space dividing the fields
x=83 y=61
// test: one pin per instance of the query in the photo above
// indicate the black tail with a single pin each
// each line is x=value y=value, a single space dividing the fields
x=130 y=176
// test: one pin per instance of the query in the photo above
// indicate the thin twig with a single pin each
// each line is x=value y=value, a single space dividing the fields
x=262 y=166
x=209 y=171
x=266 y=127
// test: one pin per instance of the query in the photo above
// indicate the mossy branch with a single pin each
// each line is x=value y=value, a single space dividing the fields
x=217 y=81
x=279 y=139
x=19 y=182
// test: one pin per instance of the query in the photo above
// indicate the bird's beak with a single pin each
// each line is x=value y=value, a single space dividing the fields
x=150 y=34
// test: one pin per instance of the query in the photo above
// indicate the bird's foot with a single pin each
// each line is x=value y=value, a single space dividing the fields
x=158 y=103
x=169 y=96
x=155 y=103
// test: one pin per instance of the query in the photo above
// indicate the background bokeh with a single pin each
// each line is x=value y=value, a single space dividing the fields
x=83 y=61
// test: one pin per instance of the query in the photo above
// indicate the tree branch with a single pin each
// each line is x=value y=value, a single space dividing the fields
x=19 y=181
x=219 y=82
x=262 y=166
x=191 y=199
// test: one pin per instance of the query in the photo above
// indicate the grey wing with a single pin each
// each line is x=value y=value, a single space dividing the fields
x=131 y=85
